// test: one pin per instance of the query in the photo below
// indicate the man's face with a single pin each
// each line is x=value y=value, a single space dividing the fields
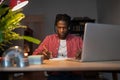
x=62 y=29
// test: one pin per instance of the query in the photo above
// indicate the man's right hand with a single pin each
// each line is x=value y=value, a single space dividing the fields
x=47 y=54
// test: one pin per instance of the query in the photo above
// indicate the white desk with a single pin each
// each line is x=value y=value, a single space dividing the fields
x=63 y=65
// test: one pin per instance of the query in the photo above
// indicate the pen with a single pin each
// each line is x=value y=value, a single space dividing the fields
x=46 y=52
x=44 y=46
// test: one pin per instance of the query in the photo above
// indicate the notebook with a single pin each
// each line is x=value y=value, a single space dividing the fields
x=101 y=42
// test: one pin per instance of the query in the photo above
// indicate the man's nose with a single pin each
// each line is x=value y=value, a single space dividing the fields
x=62 y=29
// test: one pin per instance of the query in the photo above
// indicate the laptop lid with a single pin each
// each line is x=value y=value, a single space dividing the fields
x=101 y=42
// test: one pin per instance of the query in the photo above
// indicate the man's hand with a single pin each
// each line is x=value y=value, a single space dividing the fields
x=78 y=54
x=47 y=54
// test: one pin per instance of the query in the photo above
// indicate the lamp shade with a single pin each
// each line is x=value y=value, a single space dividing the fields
x=1 y=1
x=17 y=4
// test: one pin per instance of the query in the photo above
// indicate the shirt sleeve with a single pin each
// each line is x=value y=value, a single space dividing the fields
x=40 y=47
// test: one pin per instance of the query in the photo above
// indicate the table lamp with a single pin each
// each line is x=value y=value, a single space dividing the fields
x=1 y=1
x=17 y=4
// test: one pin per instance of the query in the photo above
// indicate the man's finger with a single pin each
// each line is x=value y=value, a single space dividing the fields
x=44 y=53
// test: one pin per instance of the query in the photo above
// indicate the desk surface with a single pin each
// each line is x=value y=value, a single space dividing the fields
x=63 y=65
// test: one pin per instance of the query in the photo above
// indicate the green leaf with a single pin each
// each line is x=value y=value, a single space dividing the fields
x=1 y=37
x=31 y=39
x=3 y=11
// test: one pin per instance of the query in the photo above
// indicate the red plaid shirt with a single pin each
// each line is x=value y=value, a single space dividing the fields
x=74 y=43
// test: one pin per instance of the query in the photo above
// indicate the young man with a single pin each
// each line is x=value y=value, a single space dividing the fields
x=61 y=45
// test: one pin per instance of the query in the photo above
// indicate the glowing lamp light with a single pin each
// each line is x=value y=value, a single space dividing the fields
x=17 y=4
x=25 y=54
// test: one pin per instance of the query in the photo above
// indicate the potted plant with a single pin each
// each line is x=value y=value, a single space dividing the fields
x=9 y=21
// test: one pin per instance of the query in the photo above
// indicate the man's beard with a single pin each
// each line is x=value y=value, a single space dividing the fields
x=62 y=36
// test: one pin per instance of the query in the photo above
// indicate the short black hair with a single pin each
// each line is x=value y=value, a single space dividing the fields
x=63 y=17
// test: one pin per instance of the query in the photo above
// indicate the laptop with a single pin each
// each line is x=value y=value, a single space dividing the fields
x=101 y=42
